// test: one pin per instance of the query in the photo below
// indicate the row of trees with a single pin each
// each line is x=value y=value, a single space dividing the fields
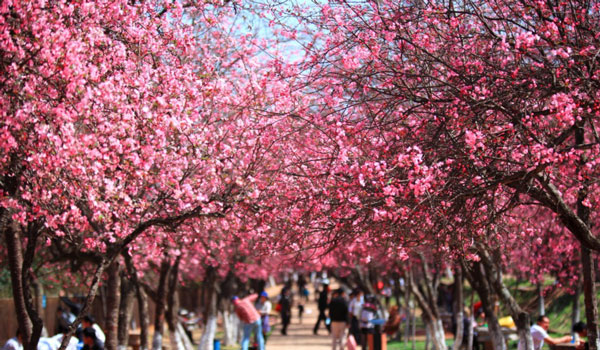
x=146 y=142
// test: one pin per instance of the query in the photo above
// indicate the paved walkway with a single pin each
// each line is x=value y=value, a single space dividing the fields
x=300 y=336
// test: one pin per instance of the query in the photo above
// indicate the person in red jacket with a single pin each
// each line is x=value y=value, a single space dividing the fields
x=247 y=313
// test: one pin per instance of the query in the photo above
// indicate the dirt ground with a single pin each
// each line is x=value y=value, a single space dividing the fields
x=300 y=335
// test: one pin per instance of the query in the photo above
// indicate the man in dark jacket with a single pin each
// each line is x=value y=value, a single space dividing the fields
x=340 y=319
x=323 y=304
x=286 y=309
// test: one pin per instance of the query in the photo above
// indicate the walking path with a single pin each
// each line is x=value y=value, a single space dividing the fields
x=300 y=335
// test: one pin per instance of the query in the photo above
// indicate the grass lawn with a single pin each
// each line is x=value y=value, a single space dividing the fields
x=419 y=345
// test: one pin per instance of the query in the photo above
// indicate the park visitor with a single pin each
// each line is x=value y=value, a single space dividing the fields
x=338 y=313
x=323 y=303
x=90 y=322
x=580 y=329
x=285 y=308
x=540 y=335
x=264 y=306
x=355 y=307
x=90 y=341
x=15 y=343
x=250 y=317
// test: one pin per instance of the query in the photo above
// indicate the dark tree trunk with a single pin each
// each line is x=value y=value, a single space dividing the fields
x=211 y=287
x=228 y=287
x=15 y=261
x=576 y=310
x=173 y=305
x=33 y=232
x=458 y=308
x=469 y=333
x=588 y=264
x=362 y=278
x=20 y=262
x=425 y=293
x=39 y=298
x=141 y=298
x=494 y=274
x=87 y=304
x=125 y=309
x=589 y=292
x=477 y=278
x=113 y=300
x=144 y=318
x=161 y=299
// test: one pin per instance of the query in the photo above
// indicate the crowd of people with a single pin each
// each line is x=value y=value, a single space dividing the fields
x=353 y=318
x=89 y=336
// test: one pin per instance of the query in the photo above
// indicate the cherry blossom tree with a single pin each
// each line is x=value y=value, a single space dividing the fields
x=114 y=126
x=470 y=109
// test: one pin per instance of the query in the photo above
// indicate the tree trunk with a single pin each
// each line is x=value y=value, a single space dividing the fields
x=125 y=310
x=186 y=342
x=139 y=294
x=39 y=303
x=160 y=305
x=522 y=320
x=458 y=308
x=426 y=296
x=33 y=231
x=435 y=334
x=102 y=295
x=588 y=264
x=408 y=313
x=576 y=311
x=210 y=312
x=397 y=292
x=541 y=301
x=87 y=304
x=15 y=261
x=208 y=335
x=144 y=318
x=469 y=331
x=173 y=308
x=113 y=300
x=478 y=279
x=230 y=327
x=438 y=335
x=589 y=292
x=230 y=320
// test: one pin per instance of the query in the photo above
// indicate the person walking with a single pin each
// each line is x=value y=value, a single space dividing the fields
x=285 y=302
x=247 y=313
x=340 y=320
x=263 y=306
x=323 y=303
x=355 y=307
x=367 y=314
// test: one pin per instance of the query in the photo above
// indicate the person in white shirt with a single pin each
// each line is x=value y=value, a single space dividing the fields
x=15 y=343
x=540 y=335
x=355 y=307
x=264 y=308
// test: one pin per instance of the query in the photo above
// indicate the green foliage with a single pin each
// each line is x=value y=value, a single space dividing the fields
x=5 y=284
